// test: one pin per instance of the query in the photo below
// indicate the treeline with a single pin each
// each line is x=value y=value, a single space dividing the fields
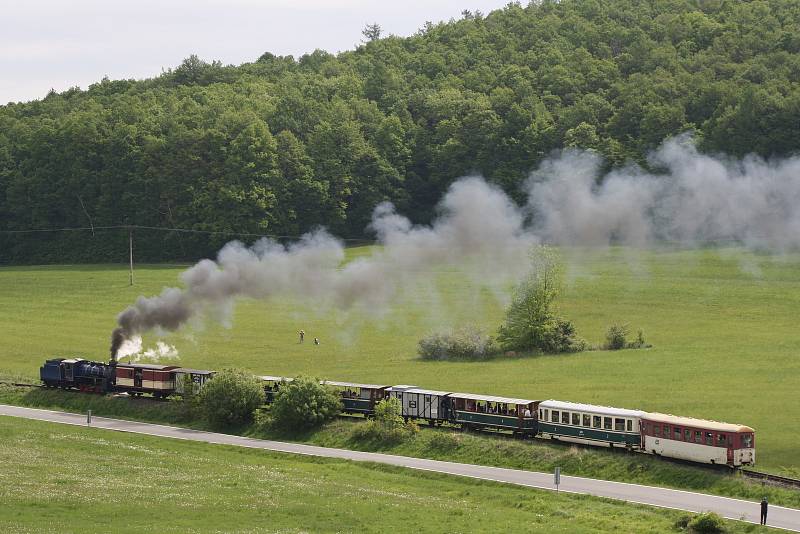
x=282 y=145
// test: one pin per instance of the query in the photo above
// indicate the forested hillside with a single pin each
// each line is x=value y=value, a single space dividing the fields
x=283 y=144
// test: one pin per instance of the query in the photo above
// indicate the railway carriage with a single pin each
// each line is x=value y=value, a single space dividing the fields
x=196 y=377
x=698 y=440
x=271 y=386
x=589 y=424
x=138 y=378
x=486 y=411
x=358 y=398
x=425 y=404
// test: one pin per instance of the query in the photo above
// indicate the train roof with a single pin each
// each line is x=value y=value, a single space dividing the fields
x=275 y=378
x=194 y=371
x=696 y=423
x=353 y=385
x=490 y=398
x=149 y=366
x=427 y=392
x=591 y=408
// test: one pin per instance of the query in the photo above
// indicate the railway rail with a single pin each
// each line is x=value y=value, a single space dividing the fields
x=766 y=478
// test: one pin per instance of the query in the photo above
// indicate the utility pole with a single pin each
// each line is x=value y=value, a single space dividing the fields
x=130 y=250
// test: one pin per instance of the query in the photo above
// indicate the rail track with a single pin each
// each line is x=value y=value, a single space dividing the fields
x=766 y=478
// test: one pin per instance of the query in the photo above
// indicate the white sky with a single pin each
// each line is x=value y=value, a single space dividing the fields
x=58 y=44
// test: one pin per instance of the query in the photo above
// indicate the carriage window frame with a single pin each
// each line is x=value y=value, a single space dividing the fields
x=722 y=440
x=709 y=438
x=597 y=421
x=677 y=433
x=687 y=435
x=657 y=430
x=554 y=416
x=619 y=424
x=608 y=423
x=629 y=425
x=747 y=441
x=564 y=418
x=576 y=419
x=587 y=420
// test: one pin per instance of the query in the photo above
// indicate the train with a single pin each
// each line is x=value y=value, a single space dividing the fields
x=683 y=438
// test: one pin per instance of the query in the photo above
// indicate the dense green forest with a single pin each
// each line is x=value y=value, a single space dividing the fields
x=283 y=144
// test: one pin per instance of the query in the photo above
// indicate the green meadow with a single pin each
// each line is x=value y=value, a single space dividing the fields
x=58 y=478
x=723 y=324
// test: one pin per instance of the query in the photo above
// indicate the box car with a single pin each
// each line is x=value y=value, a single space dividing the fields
x=698 y=440
x=589 y=424
x=432 y=406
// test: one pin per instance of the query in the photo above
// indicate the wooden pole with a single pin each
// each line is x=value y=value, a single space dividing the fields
x=130 y=250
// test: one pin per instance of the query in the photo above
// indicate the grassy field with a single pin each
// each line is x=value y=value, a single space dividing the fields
x=66 y=479
x=724 y=325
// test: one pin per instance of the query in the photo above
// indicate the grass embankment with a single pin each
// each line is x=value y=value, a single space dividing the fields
x=439 y=444
x=58 y=478
x=723 y=325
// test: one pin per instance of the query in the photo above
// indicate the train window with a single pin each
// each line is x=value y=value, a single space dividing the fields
x=676 y=431
x=587 y=420
x=630 y=425
x=565 y=418
x=540 y=413
x=555 y=416
x=721 y=440
x=709 y=438
x=666 y=431
x=619 y=424
x=657 y=430
x=607 y=423
x=698 y=436
x=687 y=435
x=747 y=441
x=595 y=421
x=546 y=414
x=576 y=419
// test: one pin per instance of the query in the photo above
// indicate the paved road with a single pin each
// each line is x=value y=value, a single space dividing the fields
x=787 y=518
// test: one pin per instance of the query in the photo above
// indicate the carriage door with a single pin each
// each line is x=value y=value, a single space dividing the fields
x=137 y=378
x=730 y=439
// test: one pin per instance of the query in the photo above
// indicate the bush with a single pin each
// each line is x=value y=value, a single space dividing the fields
x=443 y=440
x=230 y=398
x=560 y=336
x=707 y=523
x=303 y=404
x=616 y=339
x=463 y=344
x=387 y=428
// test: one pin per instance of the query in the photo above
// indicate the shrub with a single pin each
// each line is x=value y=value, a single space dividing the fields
x=464 y=343
x=443 y=440
x=707 y=523
x=387 y=428
x=615 y=337
x=303 y=404
x=230 y=398
x=560 y=336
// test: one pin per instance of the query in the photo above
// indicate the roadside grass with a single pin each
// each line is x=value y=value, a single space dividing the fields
x=439 y=444
x=723 y=324
x=59 y=478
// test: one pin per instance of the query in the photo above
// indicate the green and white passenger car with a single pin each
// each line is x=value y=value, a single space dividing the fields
x=589 y=424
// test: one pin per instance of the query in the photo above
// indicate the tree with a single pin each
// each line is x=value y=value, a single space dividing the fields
x=372 y=32
x=230 y=398
x=304 y=403
x=531 y=323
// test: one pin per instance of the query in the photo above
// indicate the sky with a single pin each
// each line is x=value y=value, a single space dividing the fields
x=58 y=44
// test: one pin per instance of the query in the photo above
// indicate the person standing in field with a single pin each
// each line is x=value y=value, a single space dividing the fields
x=302 y=335
x=764 y=506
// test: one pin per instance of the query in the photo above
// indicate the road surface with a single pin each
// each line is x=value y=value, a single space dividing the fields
x=787 y=518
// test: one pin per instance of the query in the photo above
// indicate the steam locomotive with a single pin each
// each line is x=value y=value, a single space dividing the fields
x=685 y=438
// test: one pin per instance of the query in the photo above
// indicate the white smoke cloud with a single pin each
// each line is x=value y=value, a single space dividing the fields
x=693 y=199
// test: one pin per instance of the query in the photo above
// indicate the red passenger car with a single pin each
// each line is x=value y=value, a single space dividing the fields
x=137 y=378
x=698 y=440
